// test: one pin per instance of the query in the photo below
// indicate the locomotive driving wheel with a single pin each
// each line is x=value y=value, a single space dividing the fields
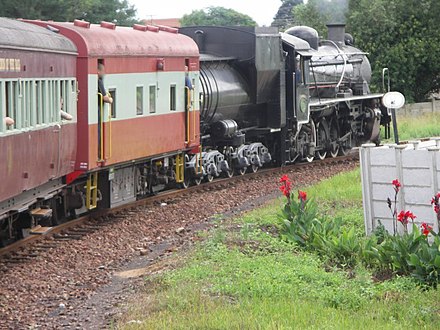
x=334 y=136
x=346 y=144
x=321 y=139
x=228 y=154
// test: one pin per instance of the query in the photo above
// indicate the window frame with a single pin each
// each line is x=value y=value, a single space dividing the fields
x=113 y=107
x=142 y=105
x=152 y=106
x=173 y=97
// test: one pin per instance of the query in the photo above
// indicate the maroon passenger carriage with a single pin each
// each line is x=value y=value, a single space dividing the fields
x=150 y=133
x=37 y=81
x=149 y=137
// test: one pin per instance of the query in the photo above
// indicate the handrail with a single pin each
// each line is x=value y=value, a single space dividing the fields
x=110 y=111
x=101 y=128
x=194 y=117
x=188 y=119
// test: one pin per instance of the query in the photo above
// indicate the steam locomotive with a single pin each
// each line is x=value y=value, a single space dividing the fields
x=290 y=96
x=257 y=97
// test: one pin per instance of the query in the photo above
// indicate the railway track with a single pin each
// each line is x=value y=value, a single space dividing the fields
x=72 y=263
x=30 y=247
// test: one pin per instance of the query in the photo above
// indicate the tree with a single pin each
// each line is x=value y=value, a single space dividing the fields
x=403 y=36
x=94 y=11
x=284 y=18
x=218 y=16
x=308 y=14
x=319 y=13
x=117 y=11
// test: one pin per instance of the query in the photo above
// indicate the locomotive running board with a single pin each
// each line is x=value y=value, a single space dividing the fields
x=342 y=99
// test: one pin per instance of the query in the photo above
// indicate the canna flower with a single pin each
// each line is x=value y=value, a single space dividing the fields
x=397 y=185
x=284 y=178
x=404 y=217
x=286 y=185
x=302 y=195
x=426 y=229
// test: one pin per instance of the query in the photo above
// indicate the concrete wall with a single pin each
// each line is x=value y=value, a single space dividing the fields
x=416 y=109
x=416 y=165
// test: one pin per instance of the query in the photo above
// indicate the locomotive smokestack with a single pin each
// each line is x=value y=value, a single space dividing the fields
x=336 y=33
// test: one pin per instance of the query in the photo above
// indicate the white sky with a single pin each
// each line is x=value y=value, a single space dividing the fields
x=262 y=11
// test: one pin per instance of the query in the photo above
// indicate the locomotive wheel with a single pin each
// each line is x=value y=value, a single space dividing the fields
x=321 y=138
x=321 y=154
x=241 y=171
x=310 y=137
x=335 y=153
x=343 y=151
x=229 y=173
x=334 y=135
x=209 y=177
x=197 y=181
x=186 y=181
x=254 y=168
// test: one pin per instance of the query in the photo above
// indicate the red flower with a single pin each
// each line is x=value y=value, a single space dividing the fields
x=403 y=217
x=284 y=178
x=302 y=195
x=426 y=229
x=286 y=185
x=437 y=208
x=285 y=190
x=397 y=185
x=435 y=200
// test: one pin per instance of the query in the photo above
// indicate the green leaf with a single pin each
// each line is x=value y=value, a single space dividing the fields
x=437 y=261
x=414 y=260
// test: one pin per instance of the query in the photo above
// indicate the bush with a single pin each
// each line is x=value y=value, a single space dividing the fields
x=302 y=225
x=409 y=254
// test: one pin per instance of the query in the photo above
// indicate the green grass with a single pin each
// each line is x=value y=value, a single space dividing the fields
x=416 y=127
x=242 y=276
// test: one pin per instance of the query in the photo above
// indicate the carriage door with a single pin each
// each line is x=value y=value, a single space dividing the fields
x=105 y=114
x=189 y=96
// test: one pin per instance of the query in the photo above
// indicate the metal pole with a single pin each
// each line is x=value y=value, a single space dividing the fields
x=396 y=133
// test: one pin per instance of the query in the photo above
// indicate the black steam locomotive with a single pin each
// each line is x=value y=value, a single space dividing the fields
x=281 y=97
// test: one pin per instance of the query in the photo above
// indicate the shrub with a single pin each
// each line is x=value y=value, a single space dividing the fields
x=409 y=254
x=302 y=225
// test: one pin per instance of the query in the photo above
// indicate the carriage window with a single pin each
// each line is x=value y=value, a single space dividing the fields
x=38 y=102
x=11 y=98
x=51 y=103
x=57 y=104
x=27 y=103
x=153 y=99
x=173 y=97
x=139 y=100
x=112 y=92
